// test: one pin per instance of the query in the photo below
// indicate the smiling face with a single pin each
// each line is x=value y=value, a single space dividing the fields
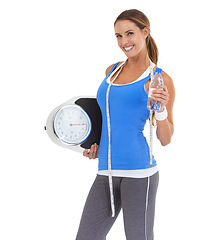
x=131 y=39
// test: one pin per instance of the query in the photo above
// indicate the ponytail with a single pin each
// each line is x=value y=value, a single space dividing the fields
x=152 y=49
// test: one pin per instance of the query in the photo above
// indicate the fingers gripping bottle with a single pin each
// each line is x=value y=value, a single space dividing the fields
x=156 y=80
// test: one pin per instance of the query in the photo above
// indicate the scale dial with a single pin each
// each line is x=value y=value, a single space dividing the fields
x=72 y=125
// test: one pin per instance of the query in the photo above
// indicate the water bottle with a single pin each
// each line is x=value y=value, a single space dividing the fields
x=155 y=82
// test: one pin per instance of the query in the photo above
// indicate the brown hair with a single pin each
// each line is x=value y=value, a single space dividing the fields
x=141 y=20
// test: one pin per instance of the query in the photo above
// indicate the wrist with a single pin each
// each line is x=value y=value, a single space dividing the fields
x=161 y=109
x=160 y=116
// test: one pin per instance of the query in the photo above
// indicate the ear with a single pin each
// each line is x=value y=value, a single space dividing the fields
x=146 y=32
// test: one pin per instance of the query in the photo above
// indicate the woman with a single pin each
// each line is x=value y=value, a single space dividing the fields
x=125 y=178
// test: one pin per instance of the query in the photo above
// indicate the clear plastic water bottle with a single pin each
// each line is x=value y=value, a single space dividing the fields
x=155 y=82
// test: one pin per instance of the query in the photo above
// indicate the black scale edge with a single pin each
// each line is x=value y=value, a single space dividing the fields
x=91 y=106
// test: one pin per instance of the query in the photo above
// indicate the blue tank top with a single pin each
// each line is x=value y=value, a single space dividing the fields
x=128 y=115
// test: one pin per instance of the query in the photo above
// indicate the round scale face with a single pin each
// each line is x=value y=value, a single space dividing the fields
x=72 y=125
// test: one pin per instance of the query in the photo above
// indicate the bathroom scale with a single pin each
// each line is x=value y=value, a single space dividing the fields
x=75 y=124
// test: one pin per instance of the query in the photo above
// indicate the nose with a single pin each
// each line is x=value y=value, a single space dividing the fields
x=124 y=41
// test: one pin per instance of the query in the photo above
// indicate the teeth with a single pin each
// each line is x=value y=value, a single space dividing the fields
x=128 y=48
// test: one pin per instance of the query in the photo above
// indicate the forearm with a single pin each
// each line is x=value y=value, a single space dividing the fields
x=166 y=96
x=164 y=131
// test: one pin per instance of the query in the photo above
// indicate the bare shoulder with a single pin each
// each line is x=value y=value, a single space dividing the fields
x=110 y=67
x=168 y=82
x=167 y=79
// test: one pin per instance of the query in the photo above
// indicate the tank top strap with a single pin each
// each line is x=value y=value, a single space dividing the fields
x=114 y=66
x=148 y=77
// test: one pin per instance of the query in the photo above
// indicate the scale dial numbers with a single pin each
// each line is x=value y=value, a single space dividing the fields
x=72 y=124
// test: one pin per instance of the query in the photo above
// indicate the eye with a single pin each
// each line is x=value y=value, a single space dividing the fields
x=130 y=33
x=118 y=35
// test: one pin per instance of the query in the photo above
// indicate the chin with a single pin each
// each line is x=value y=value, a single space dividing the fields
x=130 y=55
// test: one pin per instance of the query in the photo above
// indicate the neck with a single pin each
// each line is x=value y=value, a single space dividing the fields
x=141 y=61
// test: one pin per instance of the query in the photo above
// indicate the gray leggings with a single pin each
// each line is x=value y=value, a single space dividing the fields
x=136 y=197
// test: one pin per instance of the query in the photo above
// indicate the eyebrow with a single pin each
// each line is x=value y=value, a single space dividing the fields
x=125 y=32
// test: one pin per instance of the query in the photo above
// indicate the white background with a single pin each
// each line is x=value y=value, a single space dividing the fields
x=51 y=51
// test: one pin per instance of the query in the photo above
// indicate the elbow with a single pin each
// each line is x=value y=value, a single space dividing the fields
x=166 y=138
x=165 y=142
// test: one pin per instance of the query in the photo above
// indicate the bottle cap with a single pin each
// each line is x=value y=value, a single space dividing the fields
x=158 y=70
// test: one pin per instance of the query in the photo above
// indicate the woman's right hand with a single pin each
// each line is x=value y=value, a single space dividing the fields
x=91 y=153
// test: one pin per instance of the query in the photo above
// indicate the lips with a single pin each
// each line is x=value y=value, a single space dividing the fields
x=128 y=48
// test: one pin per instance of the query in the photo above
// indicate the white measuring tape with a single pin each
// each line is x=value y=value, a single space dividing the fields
x=151 y=124
x=151 y=137
x=109 y=135
x=109 y=142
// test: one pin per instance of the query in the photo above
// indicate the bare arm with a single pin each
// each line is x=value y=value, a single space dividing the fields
x=165 y=128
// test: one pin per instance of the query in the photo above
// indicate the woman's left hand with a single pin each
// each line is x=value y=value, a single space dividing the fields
x=161 y=95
